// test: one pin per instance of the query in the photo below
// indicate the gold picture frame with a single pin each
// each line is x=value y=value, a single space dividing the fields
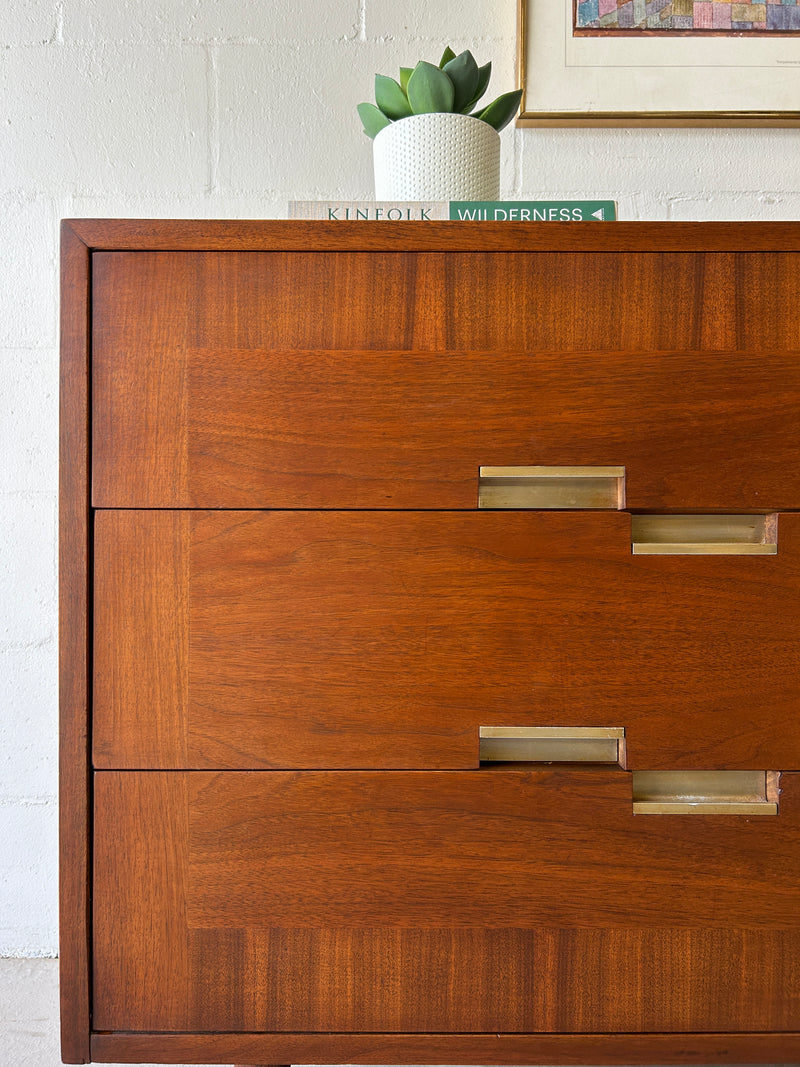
x=540 y=93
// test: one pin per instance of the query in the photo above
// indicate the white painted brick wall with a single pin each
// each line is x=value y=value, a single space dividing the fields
x=107 y=115
x=29 y=271
x=211 y=20
x=30 y=22
x=227 y=108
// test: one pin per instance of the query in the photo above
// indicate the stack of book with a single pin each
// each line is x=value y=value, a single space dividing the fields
x=455 y=210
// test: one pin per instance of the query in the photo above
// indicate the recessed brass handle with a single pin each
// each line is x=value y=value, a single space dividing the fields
x=552 y=487
x=704 y=535
x=551 y=744
x=705 y=792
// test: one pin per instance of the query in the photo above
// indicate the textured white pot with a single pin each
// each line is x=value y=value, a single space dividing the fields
x=437 y=157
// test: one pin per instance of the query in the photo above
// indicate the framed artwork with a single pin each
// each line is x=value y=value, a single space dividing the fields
x=659 y=62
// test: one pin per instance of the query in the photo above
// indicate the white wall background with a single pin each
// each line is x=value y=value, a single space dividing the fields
x=229 y=108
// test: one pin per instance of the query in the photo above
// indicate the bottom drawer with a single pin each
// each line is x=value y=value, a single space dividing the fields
x=461 y=901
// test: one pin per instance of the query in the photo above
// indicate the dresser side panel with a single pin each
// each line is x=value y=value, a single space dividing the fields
x=75 y=549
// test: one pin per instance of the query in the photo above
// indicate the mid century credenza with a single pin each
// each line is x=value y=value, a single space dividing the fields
x=430 y=643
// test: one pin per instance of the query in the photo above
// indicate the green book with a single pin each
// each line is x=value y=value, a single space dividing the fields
x=533 y=210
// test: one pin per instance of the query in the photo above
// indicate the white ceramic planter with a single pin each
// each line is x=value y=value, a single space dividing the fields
x=437 y=157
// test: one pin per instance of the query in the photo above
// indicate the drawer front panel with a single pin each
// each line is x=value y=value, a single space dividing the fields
x=464 y=901
x=386 y=381
x=341 y=640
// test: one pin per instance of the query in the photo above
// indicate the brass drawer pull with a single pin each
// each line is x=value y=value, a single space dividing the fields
x=705 y=535
x=552 y=487
x=705 y=792
x=551 y=744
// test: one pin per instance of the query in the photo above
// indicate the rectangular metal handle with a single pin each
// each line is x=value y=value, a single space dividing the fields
x=551 y=744
x=705 y=792
x=552 y=487
x=706 y=535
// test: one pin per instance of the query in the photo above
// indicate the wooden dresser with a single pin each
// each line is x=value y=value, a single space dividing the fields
x=430 y=643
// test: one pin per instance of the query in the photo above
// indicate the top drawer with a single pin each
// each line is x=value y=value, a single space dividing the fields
x=387 y=379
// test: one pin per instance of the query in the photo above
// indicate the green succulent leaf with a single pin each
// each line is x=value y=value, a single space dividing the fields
x=502 y=110
x=373 y=119
x=391 y=99
x=405 y=74
x=484 y=74
x=463 y=73
x=447 y=55
x=429 y=89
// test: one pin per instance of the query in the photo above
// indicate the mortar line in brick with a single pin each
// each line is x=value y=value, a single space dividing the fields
x=44 y=347
x=362 y=20
x=29 y=494
x=221 y=42
x=27 y=646
x=475 y=43
x=260 y=42
x=32 y=955
x=518 y=160
x=212 y=118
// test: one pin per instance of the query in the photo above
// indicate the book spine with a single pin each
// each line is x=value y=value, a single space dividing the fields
x=368 y=210
x=533 y=210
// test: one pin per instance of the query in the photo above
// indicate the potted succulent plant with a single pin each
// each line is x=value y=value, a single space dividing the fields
x=432 y=138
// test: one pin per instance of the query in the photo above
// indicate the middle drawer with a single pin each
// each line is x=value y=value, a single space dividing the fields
x=302 y=640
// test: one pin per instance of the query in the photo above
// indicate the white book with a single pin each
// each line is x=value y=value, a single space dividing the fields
x=369 y=210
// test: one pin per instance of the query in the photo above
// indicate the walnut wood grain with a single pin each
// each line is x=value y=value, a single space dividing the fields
x=141 y=954
x=153 y=335
x=141 y=668
x=272 y=380
x=471 y=849
x=426 y=902
x=74 y=649
x=569 y=1050
x=361 y=639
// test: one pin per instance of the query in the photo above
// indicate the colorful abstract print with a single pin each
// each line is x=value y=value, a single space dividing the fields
x=687 y=16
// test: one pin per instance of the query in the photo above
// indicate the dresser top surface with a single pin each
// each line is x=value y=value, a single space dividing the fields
x=302 y=235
